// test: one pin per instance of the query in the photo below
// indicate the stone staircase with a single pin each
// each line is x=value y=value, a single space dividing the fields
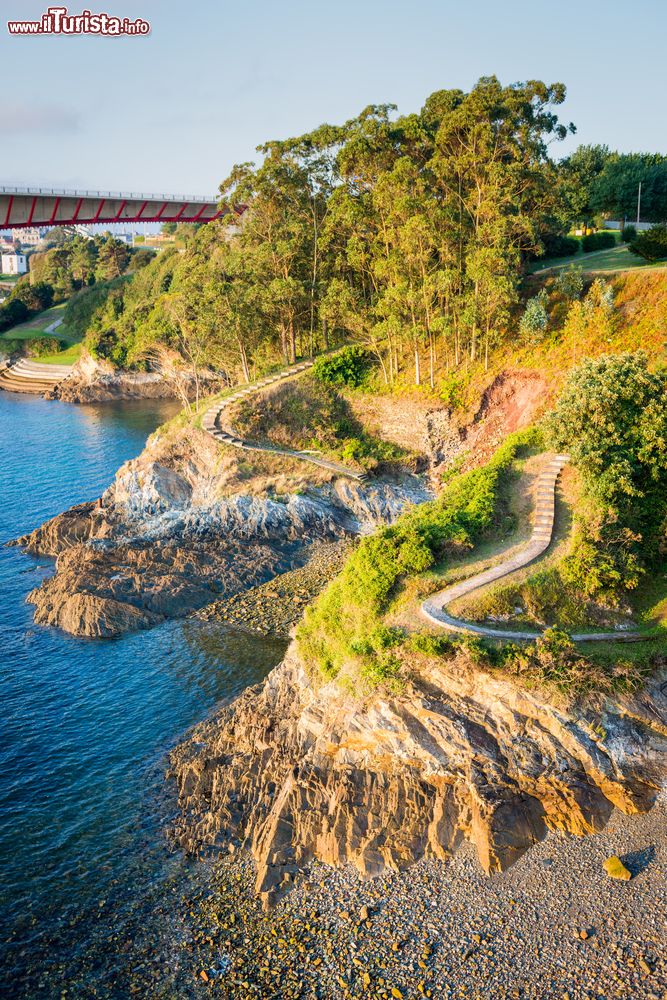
x=31 y=376
x=212 y=423
x=434 y=608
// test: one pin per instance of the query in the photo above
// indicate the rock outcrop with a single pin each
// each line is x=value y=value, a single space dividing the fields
x=101 y=591
x=293 y=773
x=167 y=537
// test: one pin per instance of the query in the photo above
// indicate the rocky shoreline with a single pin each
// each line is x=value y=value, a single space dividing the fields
x=370 y=820
x=552 y=927
x=170 y=536
x=95 y=381
x=294 y=771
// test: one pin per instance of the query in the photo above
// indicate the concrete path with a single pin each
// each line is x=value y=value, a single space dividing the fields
x=212 y=422
x=434 y=607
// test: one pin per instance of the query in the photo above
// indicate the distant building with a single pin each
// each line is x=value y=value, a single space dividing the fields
x=14 y=263
x=28 y=237
x=641 y=227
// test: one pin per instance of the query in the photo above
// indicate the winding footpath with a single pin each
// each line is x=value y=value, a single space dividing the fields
x=434 y=608
x=212 y=423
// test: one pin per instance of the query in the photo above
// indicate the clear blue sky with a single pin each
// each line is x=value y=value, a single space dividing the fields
x=174 y=110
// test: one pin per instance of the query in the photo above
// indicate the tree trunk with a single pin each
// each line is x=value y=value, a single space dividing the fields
x=292 y=343
x=244 y=360
x=283 y=343
x=431 y=360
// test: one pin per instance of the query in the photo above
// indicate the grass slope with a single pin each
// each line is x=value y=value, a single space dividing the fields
x=344 y=632
x=307 y=414
x=67 y=357
x=37 y=326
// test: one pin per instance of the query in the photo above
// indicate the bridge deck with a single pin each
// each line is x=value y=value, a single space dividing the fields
x=23 y=207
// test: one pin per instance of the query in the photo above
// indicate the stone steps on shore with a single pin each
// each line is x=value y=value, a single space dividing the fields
x=32 y=376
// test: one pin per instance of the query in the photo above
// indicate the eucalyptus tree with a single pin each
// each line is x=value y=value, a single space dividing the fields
x=490 y=166
x=276 y=239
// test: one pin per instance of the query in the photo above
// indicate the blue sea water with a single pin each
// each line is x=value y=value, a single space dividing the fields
x=85 y=725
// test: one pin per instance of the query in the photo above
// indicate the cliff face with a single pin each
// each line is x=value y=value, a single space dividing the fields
x=171 y=534
x=294 y=773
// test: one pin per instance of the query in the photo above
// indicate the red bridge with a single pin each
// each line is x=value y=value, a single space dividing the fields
x=22 y=207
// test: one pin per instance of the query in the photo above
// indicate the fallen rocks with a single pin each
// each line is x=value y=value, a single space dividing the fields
x=274 y=607
x=615 y=868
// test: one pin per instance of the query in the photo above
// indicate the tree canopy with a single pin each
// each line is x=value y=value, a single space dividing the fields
x=612 y=419
x=597 y=181
x=406 y=233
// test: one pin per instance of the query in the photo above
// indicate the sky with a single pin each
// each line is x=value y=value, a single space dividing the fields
x=172 y=111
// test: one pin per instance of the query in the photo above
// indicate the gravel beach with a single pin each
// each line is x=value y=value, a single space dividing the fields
x=554 y=927
x=273 y=608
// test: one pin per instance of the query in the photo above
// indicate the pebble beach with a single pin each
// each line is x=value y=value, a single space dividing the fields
x=555 y=926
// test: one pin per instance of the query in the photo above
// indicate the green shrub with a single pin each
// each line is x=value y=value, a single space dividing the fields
x=36 y=297
x=40 y=346
x=560 y=246
x=598 y=241
x=570 y=283
x=629 y=234
x=12 y=313
x=535 y=318
x=432 y=645
x=612 y=418
x=451 y=391
x=652 y=244
x=348 y=367
x=83 y=305
x=9 y=347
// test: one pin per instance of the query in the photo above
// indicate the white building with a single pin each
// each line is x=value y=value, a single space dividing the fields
x=14 y=263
